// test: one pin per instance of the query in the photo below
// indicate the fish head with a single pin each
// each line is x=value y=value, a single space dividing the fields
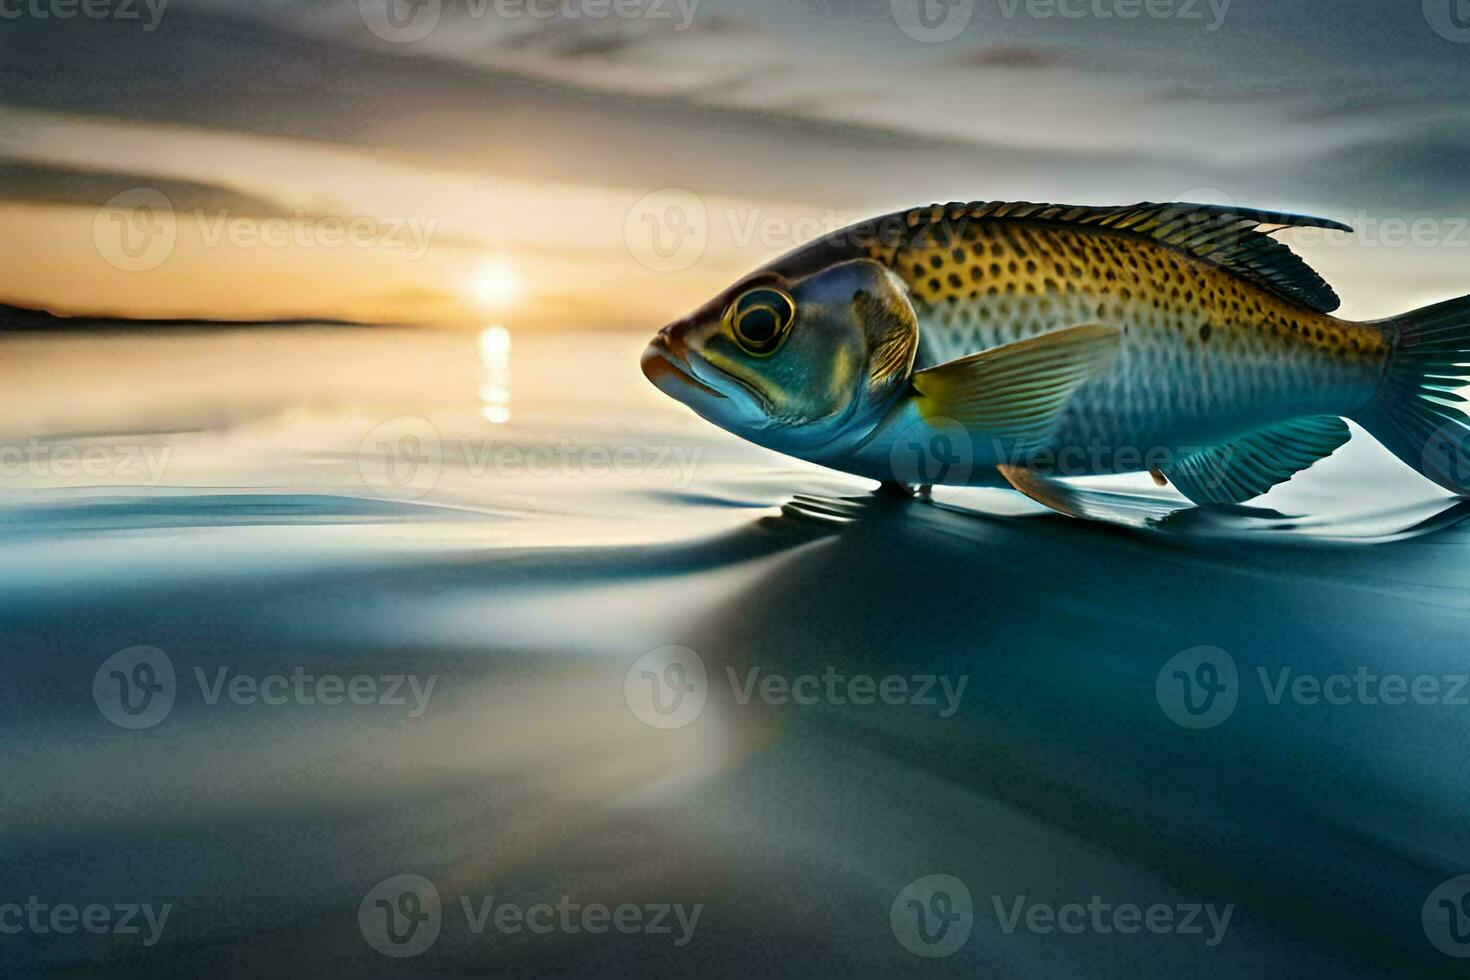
x=793 y=363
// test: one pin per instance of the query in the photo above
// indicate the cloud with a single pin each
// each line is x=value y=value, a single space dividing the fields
x=537 y=135
x=1016 y=56
x=74 y=186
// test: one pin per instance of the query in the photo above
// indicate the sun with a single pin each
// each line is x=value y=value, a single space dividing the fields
x=494 y=284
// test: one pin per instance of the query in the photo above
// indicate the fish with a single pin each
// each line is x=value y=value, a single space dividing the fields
x=1018 y=344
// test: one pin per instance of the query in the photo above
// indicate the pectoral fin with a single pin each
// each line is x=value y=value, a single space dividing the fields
x=1128 y=509
x=1237 y=471
x=1017 y=391
x=1044 y=490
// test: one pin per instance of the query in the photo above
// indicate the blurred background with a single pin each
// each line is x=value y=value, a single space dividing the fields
x=319 y=337
x=508 y=148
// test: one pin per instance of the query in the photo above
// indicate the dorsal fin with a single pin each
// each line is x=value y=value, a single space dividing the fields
x=1227 y=237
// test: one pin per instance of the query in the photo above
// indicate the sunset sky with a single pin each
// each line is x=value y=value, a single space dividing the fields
x=284 y=160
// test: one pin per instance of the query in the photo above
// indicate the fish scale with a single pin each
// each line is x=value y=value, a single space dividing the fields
x=1204 y=353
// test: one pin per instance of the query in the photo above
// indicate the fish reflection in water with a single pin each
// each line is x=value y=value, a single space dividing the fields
x=1057 y=776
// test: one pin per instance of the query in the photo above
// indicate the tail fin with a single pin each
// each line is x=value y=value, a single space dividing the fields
x=1416 y=413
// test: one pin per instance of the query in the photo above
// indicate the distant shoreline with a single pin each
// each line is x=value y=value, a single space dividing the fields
x=20 y=319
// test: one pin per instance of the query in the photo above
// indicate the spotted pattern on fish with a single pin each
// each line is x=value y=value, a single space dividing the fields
x=1204 y=349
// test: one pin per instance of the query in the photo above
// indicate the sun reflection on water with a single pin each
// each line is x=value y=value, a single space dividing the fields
x=495 y=388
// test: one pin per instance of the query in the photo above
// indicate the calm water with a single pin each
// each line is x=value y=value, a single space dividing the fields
x=407 y=602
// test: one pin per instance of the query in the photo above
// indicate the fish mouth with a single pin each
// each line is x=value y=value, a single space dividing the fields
x=670 y=372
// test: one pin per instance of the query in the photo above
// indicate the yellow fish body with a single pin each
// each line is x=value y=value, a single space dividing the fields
x=1031 y=342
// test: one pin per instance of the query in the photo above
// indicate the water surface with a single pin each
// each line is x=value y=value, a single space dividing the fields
x=521 y=518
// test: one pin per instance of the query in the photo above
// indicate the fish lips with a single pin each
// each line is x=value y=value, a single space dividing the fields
x=670 y=372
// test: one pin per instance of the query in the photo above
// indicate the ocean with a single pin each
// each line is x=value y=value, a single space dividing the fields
x=357 y=652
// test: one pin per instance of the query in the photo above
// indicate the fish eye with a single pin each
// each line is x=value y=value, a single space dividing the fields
x=759 y=319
